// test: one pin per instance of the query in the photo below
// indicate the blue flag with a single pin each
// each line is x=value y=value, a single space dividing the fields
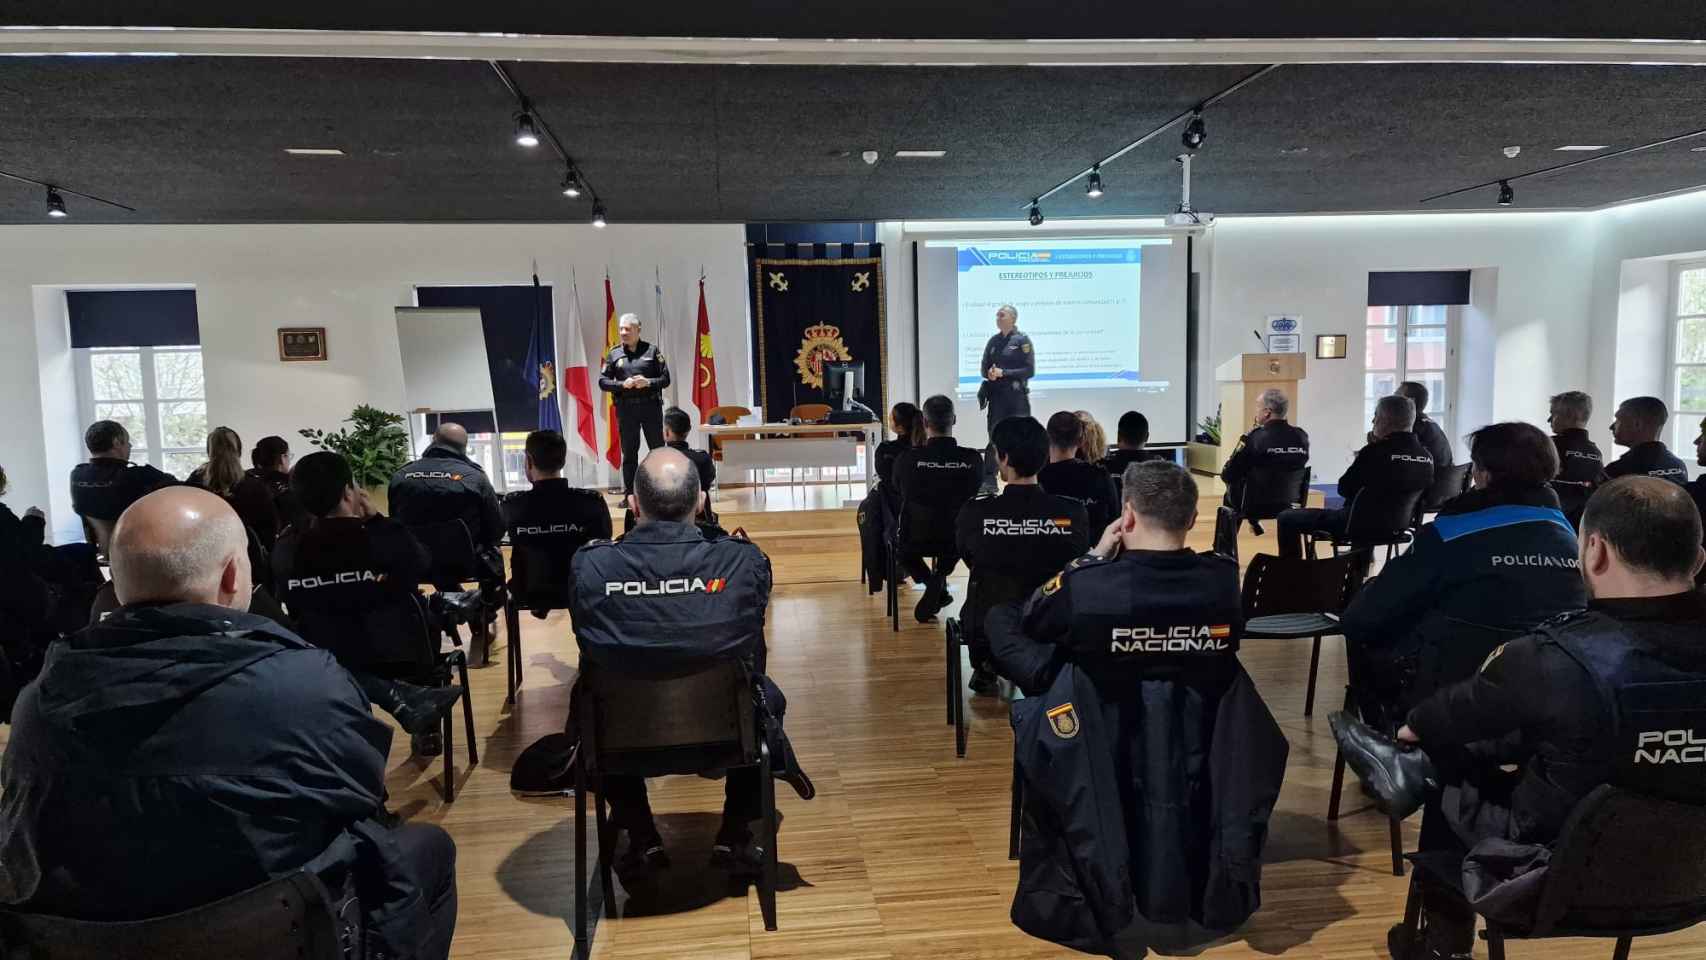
x=540 y=367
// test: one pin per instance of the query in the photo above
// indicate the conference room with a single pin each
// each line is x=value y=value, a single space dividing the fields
x=621 y=366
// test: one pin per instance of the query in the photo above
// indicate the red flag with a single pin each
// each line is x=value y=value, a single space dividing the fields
x=577 y=380
x=705 y=369
x=613 y=439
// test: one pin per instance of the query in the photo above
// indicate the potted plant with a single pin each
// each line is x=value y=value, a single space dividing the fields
x=376 y=447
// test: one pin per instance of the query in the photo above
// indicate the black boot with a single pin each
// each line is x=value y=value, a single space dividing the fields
x=418 y=709
x=984 y=682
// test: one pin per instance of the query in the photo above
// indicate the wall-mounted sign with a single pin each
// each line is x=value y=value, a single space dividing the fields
x=301 y=343
x=1283 y=333
x=1331 y=346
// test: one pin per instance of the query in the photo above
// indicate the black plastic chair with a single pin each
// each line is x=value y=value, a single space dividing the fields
x=543 y=581
x=1449 y=482
x=454 y=560
x=1267 y=492
x=922 y=530
x=290 y=918
x=1625 y=866
x=1376 y=519
x=1292 y=599
x=644 y=726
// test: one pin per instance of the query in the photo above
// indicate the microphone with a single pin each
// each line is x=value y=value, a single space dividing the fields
x=1259 y=339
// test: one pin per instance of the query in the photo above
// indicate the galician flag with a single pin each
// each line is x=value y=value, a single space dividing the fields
x=613 y=439
x=705 y=368
x=577 y=381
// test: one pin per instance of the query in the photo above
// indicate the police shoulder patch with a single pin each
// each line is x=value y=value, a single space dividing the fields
x=1053 y=585
x=1026 y=347
x=1064 y=720
x=1491 y=657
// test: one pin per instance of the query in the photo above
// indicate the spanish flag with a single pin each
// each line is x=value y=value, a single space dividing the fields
x=613 y=439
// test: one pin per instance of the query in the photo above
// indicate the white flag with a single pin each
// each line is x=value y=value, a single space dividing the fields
x=581 y=422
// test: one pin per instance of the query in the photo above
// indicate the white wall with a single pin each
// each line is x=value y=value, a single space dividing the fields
x=250 y=280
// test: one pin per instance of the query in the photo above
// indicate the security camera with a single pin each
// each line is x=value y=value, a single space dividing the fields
x=870 y=157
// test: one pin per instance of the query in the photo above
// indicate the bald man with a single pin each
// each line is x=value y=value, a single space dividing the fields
x=624 y=619
x=635 y=373
x=444 y=485
x=183 y=750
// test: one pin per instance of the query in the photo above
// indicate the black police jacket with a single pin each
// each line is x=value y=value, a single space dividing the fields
x=1697 y=490
x=174 y=755
x=1120 y=457
x=1275 y=445
x=1010 y=395
x=104 y=487
x=934 y=481
x=668 y=600
x=445 y=485
x=1433 y=440
x=645 y=360
x=1394 y=464
x=1650 y=459
x=1013 y=542
x=1616 y=694
x=1580 y=467
x=1502 y=558
x=1150 y=763
x=701 y=461
x=547 y=524
x=1084 y=482
x=341 y=576
x=265 y=503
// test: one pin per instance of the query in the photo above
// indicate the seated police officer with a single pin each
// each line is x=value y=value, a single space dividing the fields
x=1501 y=555
x=1638 y=424
x=1587 y=699
x=1579 y=461
x=1131 y=437
x=548 y=523
x=263 y=498
x=1067 y=476
x=882 y=504
x=624 y=620
x=1271 y=445
x=1697 y=486
x=934 y=480
x=677 y=425
x=349 y=563
x=445 y=485
x=102 y=488
x=1393 y=464
x=1431 y=435
x=184 y=750
x=1016 y=540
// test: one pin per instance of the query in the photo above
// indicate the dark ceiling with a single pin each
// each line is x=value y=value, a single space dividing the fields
x=923 y=19
x=201 y=139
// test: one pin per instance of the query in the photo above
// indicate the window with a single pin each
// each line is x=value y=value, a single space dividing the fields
x=1410 y=343
x=1688 y=356
x=157 y=393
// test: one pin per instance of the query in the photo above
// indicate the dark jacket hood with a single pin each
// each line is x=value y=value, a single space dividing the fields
x=118 y=680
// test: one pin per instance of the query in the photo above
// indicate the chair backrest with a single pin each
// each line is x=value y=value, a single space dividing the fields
x=1275 y=585
x=1269 y=490
x=728 y=413
x=927 y=528
x=1379 y=516
x=1448 y=482
x=1626 y=864
x=1462 y=648
x=653 y=726
x=385 y=630
x=290 y=918
x=451 y=547
x=809 y=412
x=542 y=564
x=1226 y=524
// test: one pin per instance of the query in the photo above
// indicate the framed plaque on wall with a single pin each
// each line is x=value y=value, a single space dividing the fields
x=301 y=343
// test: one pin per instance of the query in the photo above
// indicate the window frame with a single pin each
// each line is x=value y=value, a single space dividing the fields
x=1674 y=367
x=153 y=439
x=1445 y=407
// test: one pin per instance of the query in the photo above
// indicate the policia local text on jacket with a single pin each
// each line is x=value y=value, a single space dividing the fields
x=445 y=485
x=637 y=411
x=174 y=755
x=1150 y=763
x=1502 y=557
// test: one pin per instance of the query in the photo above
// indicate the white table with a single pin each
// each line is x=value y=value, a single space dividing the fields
x=761 y=446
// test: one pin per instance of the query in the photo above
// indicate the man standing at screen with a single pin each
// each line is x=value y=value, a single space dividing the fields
x=1008 y=365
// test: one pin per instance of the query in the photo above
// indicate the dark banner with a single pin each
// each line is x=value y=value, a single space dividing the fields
x=507 y=313
x=809 y=312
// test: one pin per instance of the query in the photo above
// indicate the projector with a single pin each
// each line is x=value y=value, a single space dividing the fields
x=1190 y=218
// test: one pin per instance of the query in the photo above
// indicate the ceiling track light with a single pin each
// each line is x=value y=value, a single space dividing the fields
x=1507 y=196
x=525 y=133
x=571 y=184
x=1036 y=215
x=1093 y=189
x=56 y=204
x=1196 y=132
x=598 y=215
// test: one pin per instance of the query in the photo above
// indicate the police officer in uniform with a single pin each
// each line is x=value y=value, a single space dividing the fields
x=677 y=425
x=1065 y=475
x=625 y=620
x=1585 y=700
x=1579 y=461
x=548 y=523
x=1638 y=424
x=1697 y=486
x=1015 y=541
x=1008 y=364
x=1130 y=438
x=1272 y=444
x=934 y=481
x=635 y=372
x=1431 y=435
x=1501 y=555
x=102 y=488
x=445 y=485
x=1393 y=463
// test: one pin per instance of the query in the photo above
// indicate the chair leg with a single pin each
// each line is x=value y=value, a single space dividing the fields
x=1338 y=771
x=583 y=939
x=512 y=627
x=1314 y=668
x=950 y=645
x=1396 y=828
x=606 y=851
x=894 y=591
x=1013 y=815
x=1496 y=944
x=959 y=703
x=468 y=716
x=767 y=814
x=449 y=749
x=1622 y=951
x=1412 y=917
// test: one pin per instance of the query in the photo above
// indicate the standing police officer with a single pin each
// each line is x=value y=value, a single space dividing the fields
x=1007 y=367
x=634 y=371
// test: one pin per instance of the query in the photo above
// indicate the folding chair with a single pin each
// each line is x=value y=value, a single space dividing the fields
x=541 y=566
x=1292 y=599
x=1376 y=519
x=454 y=560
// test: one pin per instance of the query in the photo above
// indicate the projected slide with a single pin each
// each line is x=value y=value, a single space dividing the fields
x=1079 y=301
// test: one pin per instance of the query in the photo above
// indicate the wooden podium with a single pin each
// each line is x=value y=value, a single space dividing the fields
x=1242 y=380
